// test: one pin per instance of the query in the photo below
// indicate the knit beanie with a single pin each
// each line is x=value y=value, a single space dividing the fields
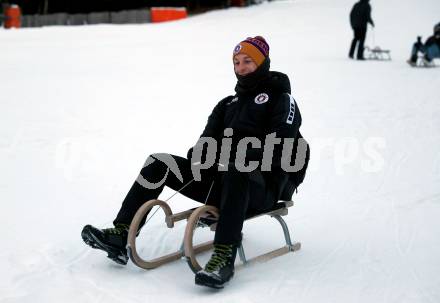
x=256 y=48
x=437 y=29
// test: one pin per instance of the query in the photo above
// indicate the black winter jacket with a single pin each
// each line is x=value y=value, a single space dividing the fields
x=433 y=40
x=360 y=15
x=268 y=108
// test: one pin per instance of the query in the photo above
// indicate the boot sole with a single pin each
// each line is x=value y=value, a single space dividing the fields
x=208 y=281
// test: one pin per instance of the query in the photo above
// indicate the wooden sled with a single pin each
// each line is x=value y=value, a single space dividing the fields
x=377 y=53
x=203 y=216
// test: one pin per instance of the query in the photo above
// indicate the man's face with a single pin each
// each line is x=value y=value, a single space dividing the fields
x=243 y=64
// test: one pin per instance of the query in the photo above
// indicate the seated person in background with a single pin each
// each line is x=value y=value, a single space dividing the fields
x=430 y=50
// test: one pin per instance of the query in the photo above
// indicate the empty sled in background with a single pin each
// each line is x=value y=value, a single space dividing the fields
x=377 y=53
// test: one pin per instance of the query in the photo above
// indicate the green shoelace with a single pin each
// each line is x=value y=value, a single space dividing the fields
x=117 y=230
x=219 y=257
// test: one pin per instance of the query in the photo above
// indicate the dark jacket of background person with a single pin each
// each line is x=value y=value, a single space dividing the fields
x=434 y=39
x=360 y=15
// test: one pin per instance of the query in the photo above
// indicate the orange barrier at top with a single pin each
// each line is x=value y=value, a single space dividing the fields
x=161 y=14
x=13 y=16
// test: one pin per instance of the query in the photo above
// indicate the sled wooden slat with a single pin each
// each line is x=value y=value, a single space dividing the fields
x=170 y=220
x=150 y=264
x=202 y=247
x=272 y=254
x=283 y=211
x=386 y=51
x=280 y=211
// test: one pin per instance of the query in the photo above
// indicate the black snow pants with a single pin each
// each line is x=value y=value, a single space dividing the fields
x=235 y=193
x=359 y=36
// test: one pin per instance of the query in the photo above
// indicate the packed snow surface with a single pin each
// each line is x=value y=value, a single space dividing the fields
x=83 y=107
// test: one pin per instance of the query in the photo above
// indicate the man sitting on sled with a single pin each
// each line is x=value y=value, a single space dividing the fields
x=251 y=131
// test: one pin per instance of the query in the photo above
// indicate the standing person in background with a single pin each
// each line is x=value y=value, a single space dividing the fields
x=360 y=16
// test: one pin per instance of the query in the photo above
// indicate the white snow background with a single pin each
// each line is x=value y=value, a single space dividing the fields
x=81 y=108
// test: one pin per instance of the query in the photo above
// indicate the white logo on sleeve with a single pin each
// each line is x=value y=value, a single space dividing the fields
x=232 y=101
x=291 y=111
x=262 y=98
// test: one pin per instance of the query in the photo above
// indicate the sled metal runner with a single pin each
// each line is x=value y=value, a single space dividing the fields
x=377 y=53
x=203 y=216
x=421 y=62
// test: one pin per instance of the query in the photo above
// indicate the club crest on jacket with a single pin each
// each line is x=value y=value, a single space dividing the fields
x=262 y=98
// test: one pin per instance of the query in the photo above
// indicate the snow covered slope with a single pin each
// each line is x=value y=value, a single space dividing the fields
x=82 y=108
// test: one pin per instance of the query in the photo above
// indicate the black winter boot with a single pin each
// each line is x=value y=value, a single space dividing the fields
x=111 y=240
x=412 y=60
x=220 y=268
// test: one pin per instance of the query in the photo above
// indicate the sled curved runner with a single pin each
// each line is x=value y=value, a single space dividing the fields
x=203 y=216
x=170 y=219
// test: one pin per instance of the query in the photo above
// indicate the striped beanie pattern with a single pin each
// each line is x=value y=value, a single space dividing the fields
x=256 y=48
